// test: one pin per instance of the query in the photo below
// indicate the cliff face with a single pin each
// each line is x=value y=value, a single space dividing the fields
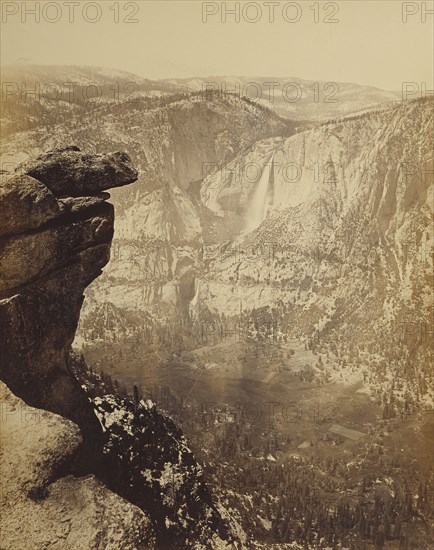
x=282 y=221
x=336 y=200
x=39 y=509
x=51 y=249
x=55 y=239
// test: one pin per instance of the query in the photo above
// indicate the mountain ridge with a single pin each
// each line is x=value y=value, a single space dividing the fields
x=294 y=97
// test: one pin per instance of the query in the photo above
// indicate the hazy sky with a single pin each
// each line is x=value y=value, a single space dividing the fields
x=370 y=43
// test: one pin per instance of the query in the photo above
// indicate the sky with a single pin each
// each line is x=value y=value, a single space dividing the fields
x=374 y=42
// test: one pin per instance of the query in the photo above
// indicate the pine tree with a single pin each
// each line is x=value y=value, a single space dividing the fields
x=136 y=394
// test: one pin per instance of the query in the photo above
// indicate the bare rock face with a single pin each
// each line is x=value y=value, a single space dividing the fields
x=25 y=204
x=50 y=251
x=70 y=513
x=53 y=247
x=68 y=172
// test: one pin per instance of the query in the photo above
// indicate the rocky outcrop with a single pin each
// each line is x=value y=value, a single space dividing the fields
x=40 y=511
x=25 y=204
x=50 y=251
x=92 y=173
x=56 y=240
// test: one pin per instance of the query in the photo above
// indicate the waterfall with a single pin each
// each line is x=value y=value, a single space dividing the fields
x=258 y=206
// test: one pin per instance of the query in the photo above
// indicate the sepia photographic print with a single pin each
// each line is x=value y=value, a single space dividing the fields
x=216 y=289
